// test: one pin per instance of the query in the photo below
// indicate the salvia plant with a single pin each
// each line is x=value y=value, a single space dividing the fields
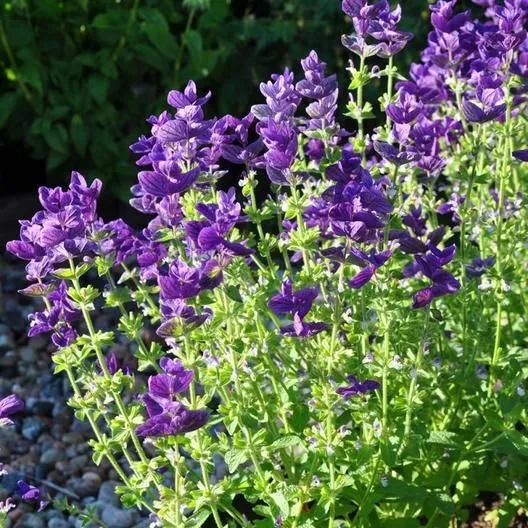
x=350 y=352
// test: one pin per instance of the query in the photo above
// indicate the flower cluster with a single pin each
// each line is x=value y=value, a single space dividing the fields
x=167 y=416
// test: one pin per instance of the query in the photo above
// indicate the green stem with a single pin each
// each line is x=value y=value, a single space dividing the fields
x=359 y=97
x=10 y=56
x=499 y=254
x=414 y=379
x=177 y=484
x=123 y=39
x=384 y=382
x=390 y=82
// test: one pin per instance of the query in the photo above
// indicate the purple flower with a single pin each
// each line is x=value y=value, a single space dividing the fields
x=478 y=266
x=290 y=302
x=174 y=380
x=357 y=387
x=10 y=405
x=394 y=155
x=521 y=154
x=300 y=328
x=297 y=304
x=452 y=206
x=370 y=263
x=475 y=114
x=179 y=317
x=173 y=419
x=430 y=265
x=31 y=494
x=323 y=89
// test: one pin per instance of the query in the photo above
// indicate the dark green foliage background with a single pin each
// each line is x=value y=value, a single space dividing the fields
x=78 y=77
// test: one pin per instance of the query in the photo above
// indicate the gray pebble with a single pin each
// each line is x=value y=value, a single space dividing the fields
x=107 y=493
x=58 y=523
x=51 y=456
x=32 y=428
x=30 y=520
x=27 y=354
x=116 y=518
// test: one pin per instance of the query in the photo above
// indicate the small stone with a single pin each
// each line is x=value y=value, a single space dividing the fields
x=41 y=407
x=30 y=520
x=8 y=359
x=107 y=493
x=72 y=437
x=6 y=341
x=88 y=485
x=32 y=428
x=52 y=456
x=79 y=462
x=58 y=523
x=4 y=451
x=116 y=518
x=27 y=354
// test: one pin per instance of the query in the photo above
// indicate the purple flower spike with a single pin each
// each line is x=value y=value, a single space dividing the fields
x=357 y=387
x=9 y=406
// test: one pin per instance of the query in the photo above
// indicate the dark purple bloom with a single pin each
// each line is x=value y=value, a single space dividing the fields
x=357 y=387
x=300 y=328
x=10 y=405
x=179 y=317
x=478 y=266
x=174 y=380
x=430 y=265
x=406 y=111
x=475 y=114
x=521 y=154
x=181 y=282
x=31 y=494
x=173 y=419
x=452 y=206
x=371 y=263
x=394 y=155
x=290 y=302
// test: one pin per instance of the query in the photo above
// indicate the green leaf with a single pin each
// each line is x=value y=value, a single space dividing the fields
x=7 y=105
x=193 y=40
x=98 y=88
x=407 y=522
x=30 y=73
x=57 y=138
x=282 y=503
x=444 y=438
x=150 y=56
x=113 y=20
x=286 y=441
x=161 y=39
x=235 y=457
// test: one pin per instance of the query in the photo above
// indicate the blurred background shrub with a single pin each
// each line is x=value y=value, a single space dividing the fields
x=78 y=77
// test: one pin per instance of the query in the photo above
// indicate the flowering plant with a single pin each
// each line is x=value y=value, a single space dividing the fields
x=352 y=350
